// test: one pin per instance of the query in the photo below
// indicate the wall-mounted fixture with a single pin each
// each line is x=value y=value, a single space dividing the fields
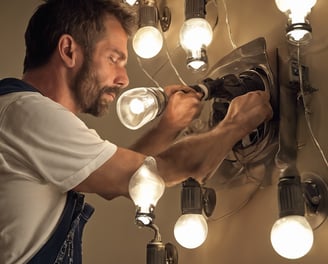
x=291 y=234
x=299 y=30
x=146 y=187
x=158 y=252
x=138 y=106
x=196 y=34
x=191 y=228
x=148 y=40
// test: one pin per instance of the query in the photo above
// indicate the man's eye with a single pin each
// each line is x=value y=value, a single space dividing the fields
x=113 y=59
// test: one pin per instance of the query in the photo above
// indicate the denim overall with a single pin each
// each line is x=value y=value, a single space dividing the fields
x=65 y=244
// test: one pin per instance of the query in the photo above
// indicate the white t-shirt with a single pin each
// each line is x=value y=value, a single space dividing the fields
x=45 y=150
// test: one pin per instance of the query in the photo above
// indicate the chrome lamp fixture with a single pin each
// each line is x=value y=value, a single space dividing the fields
x=158 y=252
x=196 y=34
x=299 y=204
x=191 y=228
x=148 y=40
x=146 y=187
x=299 y=30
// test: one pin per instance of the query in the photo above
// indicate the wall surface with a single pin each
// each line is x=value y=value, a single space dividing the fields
x=239 y=228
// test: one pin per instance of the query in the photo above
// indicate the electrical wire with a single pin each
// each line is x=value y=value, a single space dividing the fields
x=228 y=24
x=146 y=72
x=306 y=109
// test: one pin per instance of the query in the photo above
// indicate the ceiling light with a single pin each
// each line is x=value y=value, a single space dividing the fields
x=298 y=28
x=195 y=34
x=191 y=228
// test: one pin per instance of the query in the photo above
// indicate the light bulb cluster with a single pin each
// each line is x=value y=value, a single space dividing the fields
x=195 y=34
x=298 y=29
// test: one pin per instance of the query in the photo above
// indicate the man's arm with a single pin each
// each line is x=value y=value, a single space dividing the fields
x=192 y=156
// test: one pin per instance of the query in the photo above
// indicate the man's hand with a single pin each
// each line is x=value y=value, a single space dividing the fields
x=248 y=111
x=183 y=106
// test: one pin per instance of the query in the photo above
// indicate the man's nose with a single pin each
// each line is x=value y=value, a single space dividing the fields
x=122 y=78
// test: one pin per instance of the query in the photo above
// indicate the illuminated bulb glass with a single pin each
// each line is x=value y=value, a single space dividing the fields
x=147 y=42
x=146 y=187
x=292 y=236
x=138 y=106
x=130 y=2
x=297 y=12
x=191 y=230
x=196 y=64
x=195 y=33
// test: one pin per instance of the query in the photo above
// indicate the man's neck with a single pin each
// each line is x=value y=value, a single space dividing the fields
x=51 y=82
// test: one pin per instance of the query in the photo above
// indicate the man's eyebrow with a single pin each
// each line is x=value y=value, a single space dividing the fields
x=122 y=56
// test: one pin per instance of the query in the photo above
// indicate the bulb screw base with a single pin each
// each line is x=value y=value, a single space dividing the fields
x=290 y=195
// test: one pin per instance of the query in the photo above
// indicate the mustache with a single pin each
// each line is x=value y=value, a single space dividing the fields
x=112 y=89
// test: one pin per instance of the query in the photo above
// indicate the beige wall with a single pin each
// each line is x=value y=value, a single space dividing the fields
x=243 y=235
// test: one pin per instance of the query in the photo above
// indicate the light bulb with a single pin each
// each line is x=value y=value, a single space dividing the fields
x=292 y=236
x=147 y=42
x=299 y=30
x=191 y=230
x=195 y=35
x=138 y=106
x=130 y=2
x=146 y=187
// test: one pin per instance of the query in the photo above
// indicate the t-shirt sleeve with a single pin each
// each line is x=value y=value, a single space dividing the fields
x=52 y=142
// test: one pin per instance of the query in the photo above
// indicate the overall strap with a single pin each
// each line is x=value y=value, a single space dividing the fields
x=12 y=85
x=64 y=246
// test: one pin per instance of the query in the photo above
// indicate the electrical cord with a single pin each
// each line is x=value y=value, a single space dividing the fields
x=306 y=109
x=228 y=24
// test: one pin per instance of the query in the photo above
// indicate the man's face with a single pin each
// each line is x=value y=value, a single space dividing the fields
x=103 y=72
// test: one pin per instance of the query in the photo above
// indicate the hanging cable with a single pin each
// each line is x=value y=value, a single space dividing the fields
x=228 y=25
x=306 y=109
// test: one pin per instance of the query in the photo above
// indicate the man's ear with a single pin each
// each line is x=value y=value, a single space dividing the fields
x=68 y=50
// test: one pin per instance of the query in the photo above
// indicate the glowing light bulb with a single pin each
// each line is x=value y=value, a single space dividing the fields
x=195 y=35
x=191 y=230
x=292 y=236
x=130 y=2
x=147 y=42
x=297 y=11
x=146 y=187
x=138 y=106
